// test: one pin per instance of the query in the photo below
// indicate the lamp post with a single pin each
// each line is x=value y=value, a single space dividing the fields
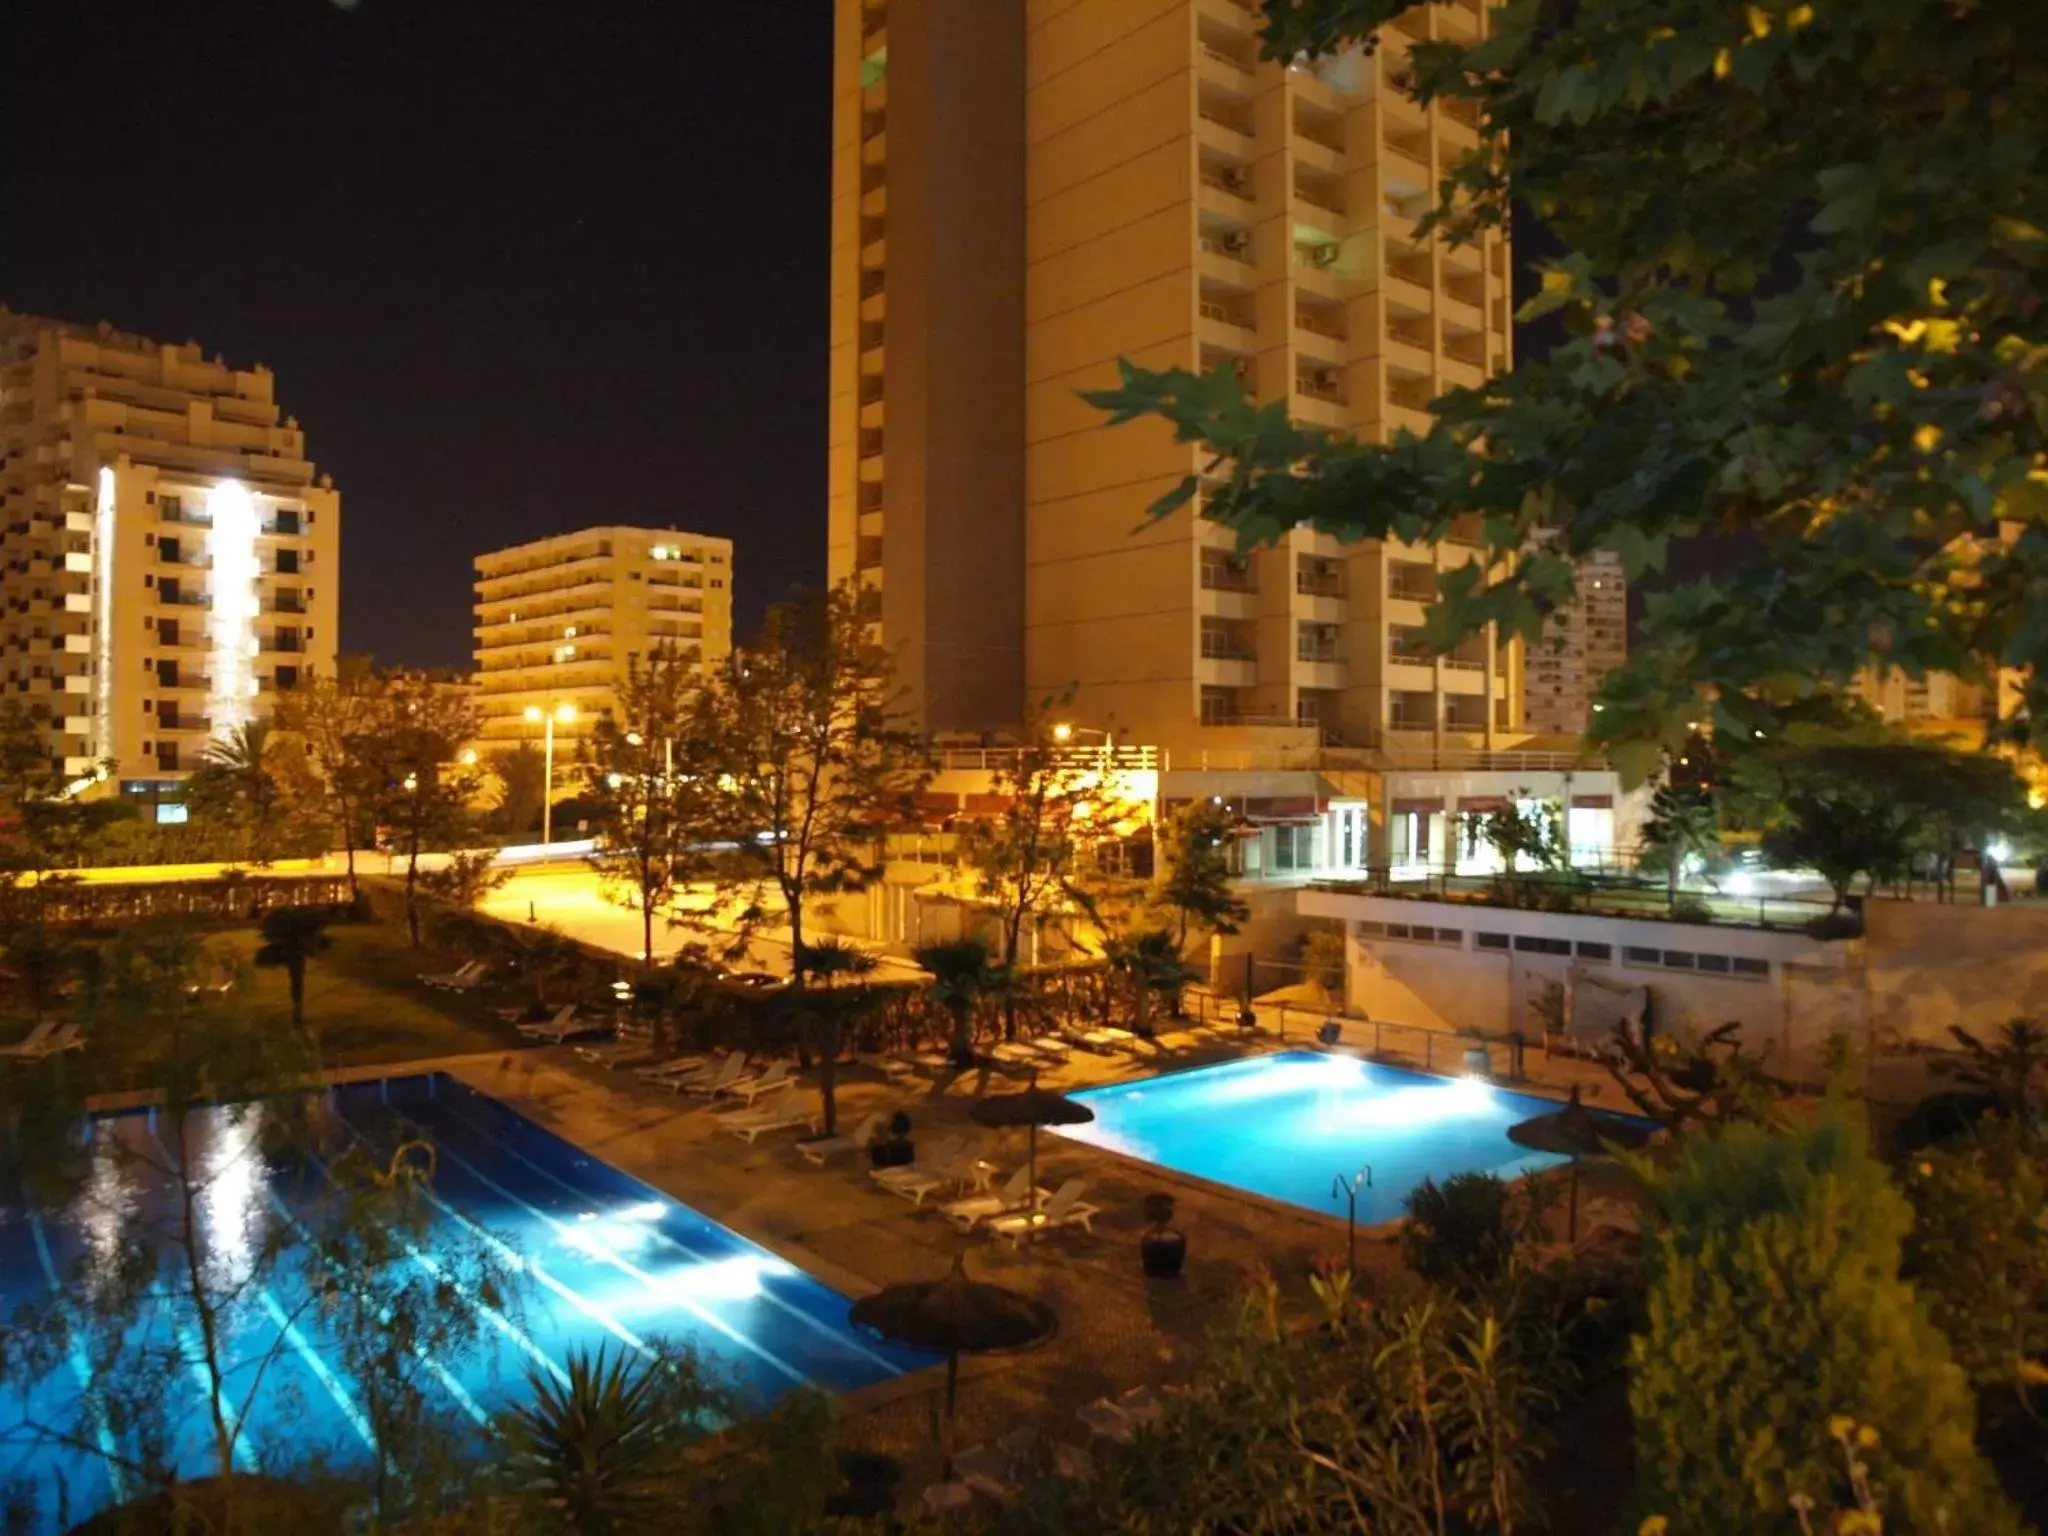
x=546 y=718
x=1065 y=731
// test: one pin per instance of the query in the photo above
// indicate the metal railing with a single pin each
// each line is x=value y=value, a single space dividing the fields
x=1082 y=756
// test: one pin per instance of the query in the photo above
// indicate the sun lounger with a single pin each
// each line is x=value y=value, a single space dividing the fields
x=679 y=1067
x=44 y=1041
x=891 y=1067
x=944 y=1150
x=1049 y=1046
x=831 y=1146
x=1105 y=1420
x=631 y=1048
x=945 y=1498
x=1103 y=1038
x=1015 y=1053
x=986 y=1471
x=463 y=976
x=778 y=1075
x=712 y=1083
x=561 y=1026
x=1142 y=1405
x=748 y=1124
x=1065 y=1209
x=1015 y=1195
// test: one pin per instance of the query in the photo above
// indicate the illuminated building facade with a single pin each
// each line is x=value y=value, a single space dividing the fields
x=169 y=558
x=1582 y=643
x=562 y=621
x=1025 y=191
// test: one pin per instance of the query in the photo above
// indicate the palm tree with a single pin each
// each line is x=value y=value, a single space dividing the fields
x=291 y=937
x=37 y=961
x=831 y=961
x=960 y=974
x=543 y=956
x=1152 y=961
x=233 y=780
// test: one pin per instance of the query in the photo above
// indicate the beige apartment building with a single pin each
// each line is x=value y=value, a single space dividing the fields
x=562 y=621
x=1025 y=191
x=1581 y=644
x=169 y=558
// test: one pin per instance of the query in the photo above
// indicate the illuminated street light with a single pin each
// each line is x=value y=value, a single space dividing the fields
x=546 y=719
x=469 y=757
x=1063 y=732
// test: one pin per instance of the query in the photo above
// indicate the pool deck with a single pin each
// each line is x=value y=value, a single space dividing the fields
x=1117 y=1330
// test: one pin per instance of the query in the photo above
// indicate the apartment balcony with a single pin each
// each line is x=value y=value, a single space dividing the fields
x=1237 y=17
x=1319 y=404
x=1224 y=200
x=874 y=151
x=78 y=563
x=875 y=204
x=871 y=362
x=1225 y=329
x=1222 y=71
x=72 y=645
x=281 y=604
x=1404 y=296
x=1225 y=266
x=1319 y=339
x=182 y=682
x=874 y=256
x=78 y=522
x=1320 y=671
x=1233 y=671
x=1315 y=273
x=181 y=599
x=179 y=723
x=874 y=307
x=1456 y=372
x=1316 y=154
x=1406 y=355
x=1224 y=132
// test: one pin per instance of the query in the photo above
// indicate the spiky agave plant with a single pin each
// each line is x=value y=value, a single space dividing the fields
x=601 y=1447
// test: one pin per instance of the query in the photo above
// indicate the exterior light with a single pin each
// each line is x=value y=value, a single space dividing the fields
x=613 y=781
x=565 y=713
x=569 y=633
x=469 y=757
x=632 y=738
x=2000 y=850
x=533 y=714
x=1063 y=732
x=231 y=624
x=412 y=782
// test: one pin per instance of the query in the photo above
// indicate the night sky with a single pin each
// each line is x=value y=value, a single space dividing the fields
x=519 y=267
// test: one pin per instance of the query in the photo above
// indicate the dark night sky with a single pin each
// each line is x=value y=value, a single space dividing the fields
x=519 y=267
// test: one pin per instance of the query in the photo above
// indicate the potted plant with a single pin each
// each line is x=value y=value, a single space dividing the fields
x=1162 y=1249
x=893 y=1148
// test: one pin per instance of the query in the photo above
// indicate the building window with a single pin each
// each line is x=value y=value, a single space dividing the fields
x=1491 y=940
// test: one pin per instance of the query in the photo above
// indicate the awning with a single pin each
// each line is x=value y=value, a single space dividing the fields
x=1592 y=802
x=1419 y=807
x=1474 y=804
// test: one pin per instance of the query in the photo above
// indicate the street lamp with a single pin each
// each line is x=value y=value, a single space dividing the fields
x=547 y=718
x=1064 y=731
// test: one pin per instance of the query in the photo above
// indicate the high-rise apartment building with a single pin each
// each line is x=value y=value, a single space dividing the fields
x=1026 y=191
x=168 y=556
x=1581 y=644
x=563 y=621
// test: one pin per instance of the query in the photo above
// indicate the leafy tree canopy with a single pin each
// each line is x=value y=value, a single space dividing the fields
x=1802 y=285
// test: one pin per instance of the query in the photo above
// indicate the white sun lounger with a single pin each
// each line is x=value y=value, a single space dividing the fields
x=666 y=1072
x=47 y=1039
x=891 y=1067
x=1065 y=1209
x=561 y=1026
x=830 y=1146
x=987 y=1471
x=939 y=1152
x=777 y=1075
x=748 y=1124
x=1104 y=1038
x=930 y=1179
x=1016 y=1194
x=711 y=1083
x=629 y=1049
x=464 y=975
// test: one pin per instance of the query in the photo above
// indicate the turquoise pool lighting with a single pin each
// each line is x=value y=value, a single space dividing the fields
x=1287 y=1125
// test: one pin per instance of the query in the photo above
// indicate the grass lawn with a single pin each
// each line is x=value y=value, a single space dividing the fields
x=364 y=1000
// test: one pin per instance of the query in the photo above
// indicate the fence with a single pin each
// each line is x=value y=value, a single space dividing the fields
x=1603 y=893
x=68 y=902
x=1304 y=1023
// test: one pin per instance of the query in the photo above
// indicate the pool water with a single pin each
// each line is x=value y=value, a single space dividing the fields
x=1288 y=1125
x=607 y=1261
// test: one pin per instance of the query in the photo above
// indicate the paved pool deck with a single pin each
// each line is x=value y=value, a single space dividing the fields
x=1117 y=1330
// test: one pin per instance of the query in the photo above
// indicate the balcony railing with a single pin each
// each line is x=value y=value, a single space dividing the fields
x=1412 y=590
x=1318 y=389
x=1319 y=583
x=1220 y=577
x=1226 y=250
x=182 y=599
x=1310 y=648
x=193 y=681
x=182 y=722
x=1218 y=645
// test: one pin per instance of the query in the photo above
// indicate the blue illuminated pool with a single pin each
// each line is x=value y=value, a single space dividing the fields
x=604 y=1260
x=1286 y=1125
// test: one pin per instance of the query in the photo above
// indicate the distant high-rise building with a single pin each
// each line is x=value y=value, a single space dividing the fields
x=1581 y=644
x=1025 y=191
x=168 y=557
x=563 y=620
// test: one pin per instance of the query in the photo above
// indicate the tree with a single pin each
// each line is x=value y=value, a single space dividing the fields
x=1198 y=891
x=1526 y=835
x=38 y=959
x=1683 y=825
x=1840 y=825
x=465 y=878
x=1055 y=805
x=831 y=961
x=960 y=975
x=646 y=836
x=47 y=827
x=809 y=774
x=235 y=787
x=1823 y=335
x=1775 y=1306
x=333 y=720
x=292 y=936
x=521 y=772
x=422 y=785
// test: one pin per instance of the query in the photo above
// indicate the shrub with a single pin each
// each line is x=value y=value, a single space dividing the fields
x=1458 y=1235
x=1775 y=1307
x=1978 y=1252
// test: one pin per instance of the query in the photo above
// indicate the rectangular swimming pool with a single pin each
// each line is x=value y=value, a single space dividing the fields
x=1287 y=1125
x=607 y=1261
